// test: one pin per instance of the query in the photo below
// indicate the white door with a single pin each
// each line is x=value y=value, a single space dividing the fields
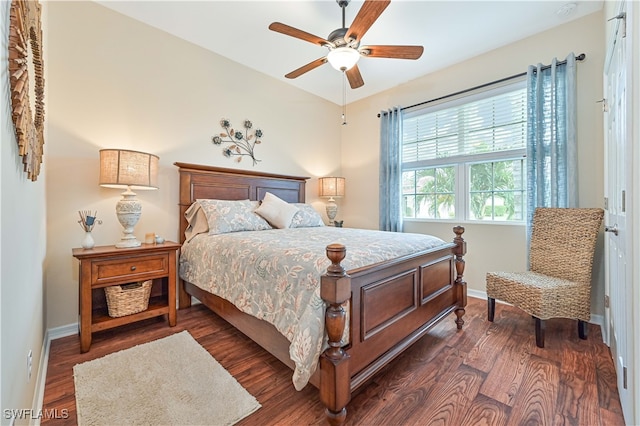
x=618 y=182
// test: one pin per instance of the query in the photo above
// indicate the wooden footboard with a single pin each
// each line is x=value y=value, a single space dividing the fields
x=392 y=305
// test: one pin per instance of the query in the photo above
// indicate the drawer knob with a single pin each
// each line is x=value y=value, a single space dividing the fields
x=133 y=268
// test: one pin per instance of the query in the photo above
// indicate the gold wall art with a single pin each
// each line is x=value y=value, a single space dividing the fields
x=26 y=71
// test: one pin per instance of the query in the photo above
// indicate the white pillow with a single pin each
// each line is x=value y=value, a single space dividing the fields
x=276 y=211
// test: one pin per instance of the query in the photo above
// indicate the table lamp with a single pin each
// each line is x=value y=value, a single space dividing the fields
x=331 y=187
x=121 y=168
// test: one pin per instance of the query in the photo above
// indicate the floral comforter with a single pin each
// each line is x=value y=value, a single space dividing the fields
x=275 y=274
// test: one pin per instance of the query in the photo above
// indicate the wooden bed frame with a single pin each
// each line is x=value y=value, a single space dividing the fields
x=393 y=303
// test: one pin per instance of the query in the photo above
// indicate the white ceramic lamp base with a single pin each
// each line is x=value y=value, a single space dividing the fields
x=332 y=210
x=128 y=210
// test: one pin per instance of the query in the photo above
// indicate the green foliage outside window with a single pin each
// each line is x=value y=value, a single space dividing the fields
x=496 y=190
x=496 y=193
x=430 y=193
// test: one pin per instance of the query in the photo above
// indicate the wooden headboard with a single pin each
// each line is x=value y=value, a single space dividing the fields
x=198 y=182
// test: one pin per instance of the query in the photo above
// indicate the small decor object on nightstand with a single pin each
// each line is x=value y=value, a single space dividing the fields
x=331 y=187
x=149 y=238
x=87 y=222
x=242 y=143
x=121 y=168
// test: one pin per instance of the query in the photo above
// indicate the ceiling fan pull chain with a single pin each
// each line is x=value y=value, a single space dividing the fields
x=344 y=98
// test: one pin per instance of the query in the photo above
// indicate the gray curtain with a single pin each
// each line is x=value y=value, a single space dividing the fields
x=390 y=169
x=552 y=174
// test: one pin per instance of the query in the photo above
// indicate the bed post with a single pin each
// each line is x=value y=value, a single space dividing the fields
x=184 y=298
x=461 y=285
x=335 y=379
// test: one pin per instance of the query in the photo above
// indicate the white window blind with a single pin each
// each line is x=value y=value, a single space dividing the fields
x=488 y=125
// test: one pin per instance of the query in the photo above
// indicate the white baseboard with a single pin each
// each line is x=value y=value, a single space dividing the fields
x=41 y=379
x=476 y=293
x=599 y=320
x=63 y=331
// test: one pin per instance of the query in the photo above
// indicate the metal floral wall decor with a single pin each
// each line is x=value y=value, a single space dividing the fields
x=241 y=143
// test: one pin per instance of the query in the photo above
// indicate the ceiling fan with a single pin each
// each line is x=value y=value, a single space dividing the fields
x=344 y=43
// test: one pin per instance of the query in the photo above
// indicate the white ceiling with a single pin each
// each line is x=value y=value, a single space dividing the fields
x=450 y=31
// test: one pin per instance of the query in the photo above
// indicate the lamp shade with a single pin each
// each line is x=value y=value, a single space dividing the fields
x=331 y=186
x=343 y=58
x=121 y=168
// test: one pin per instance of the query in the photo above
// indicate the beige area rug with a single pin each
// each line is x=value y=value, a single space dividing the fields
x=170 y=381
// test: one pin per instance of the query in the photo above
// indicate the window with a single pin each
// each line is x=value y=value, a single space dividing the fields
x=465 y=159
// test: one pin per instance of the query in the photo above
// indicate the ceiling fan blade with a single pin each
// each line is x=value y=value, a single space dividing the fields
x=306 y=68
x=354 y=77
x=294 y=32
x=367 y=15
x=395 y=52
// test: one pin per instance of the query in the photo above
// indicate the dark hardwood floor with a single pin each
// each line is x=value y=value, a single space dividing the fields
x=486 y=374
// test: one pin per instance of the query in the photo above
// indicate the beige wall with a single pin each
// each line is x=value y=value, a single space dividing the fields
x=491 y=247
x=116 y=83
x=22 y=253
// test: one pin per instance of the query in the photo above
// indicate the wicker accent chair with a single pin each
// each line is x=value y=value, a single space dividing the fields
x=558 y=283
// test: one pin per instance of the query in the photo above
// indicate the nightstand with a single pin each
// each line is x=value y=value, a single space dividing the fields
x=106 y=266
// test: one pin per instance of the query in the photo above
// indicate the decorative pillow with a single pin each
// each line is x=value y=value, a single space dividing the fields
x=225 y=216
x=277 y=211
x=306 y=217
x=196 y=221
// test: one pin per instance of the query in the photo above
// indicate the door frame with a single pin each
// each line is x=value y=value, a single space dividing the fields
x=632 y=43
x=633 y=33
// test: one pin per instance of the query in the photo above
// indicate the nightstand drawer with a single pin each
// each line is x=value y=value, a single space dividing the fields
x=129 y=270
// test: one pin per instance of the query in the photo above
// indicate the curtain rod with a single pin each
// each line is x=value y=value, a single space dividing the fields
x=580 y=57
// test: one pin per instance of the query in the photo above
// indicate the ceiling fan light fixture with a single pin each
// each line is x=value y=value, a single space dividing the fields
x=343 y=58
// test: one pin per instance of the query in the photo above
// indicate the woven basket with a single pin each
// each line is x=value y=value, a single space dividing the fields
x=128 y=299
